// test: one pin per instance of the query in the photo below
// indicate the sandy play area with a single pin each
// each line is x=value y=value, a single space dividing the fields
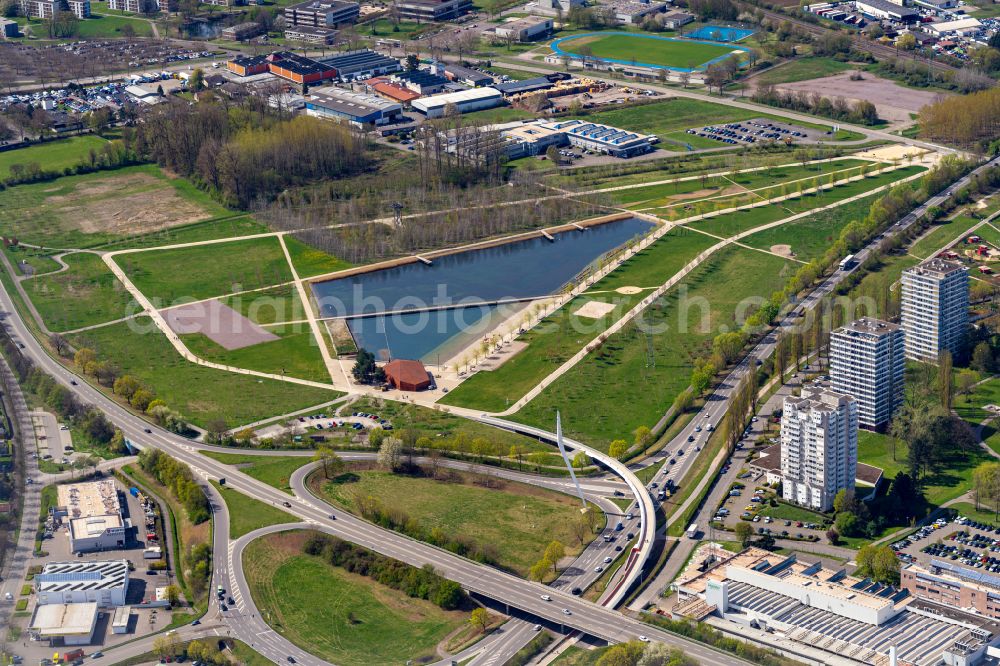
x=223 y=325
x=783 y=250
x=594 y=309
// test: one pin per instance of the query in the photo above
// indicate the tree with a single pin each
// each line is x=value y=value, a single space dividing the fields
x=581 y=460
x=982 y=355
x=479 y=619
x=375 y=437
x=59 y=343
x=833 y=536
x=333 y=465
x=540 y=569
x=84 y=357
x=744 y=533
x=623 y=654
x=843 y=500
x=846 y=523
x=642 y=435
x=365 y=371
x=878 y=563
x=197 y=80
x=390 y=453
x=173 y=594
x=945 y=380
x=661 y=654
x=906 y=41
x=618 y=449
x=554 y=552
x=126 y=386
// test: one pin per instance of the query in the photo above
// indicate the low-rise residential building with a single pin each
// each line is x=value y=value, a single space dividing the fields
x=526 y=29
x=102 y=582
x=464 y=101
x=310 y=34
x=432 y=10
x=358 y=109
x=242 y=31
x=321 y=13
x=135 y=6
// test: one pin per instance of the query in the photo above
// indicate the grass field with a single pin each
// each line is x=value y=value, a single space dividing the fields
x=100 y=26
x=273 y=470
x=803 y=69
x=51 y=155
x=86 y=294
x=942 y=234
x=648 y=49
x=93 y=209
x=500 y=114
x=562 y=334
x=518 y=520
x=247 y=514
x=785 y=511
x=341 y=617
x=269 y=306
x=309 y=261
x=199 y=393
x=294 y=354
x=615 y=389
x=203 y=271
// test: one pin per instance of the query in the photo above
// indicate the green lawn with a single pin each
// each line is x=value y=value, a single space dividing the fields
x=103 y=207
x=203 y=271
x=341 y=617
x=616 y=389
x=199 y=393
x=309 y=261
x=562 y=334
x=100 y=26
x=273 y=470
x=785 y=511
x=518 y=520
x=943 y=234
x=269 y=306
x=984 y=514
x=803 y=69
x=648 y=49
x=247 y=514
x=86 y=294
x=40 y=261
x=52 y=155
x=438 y=424
x=516 y=74
x=384 y=27
x=294 y=354
x=500 y=114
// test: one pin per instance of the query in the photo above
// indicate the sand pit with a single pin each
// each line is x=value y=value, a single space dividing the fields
x=783 y=250
x=628 y=291
x=594 y=309
x=220 y=323
x=894 y=102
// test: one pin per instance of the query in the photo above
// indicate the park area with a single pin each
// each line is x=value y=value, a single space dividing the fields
x=641 y=49
x=341 y=617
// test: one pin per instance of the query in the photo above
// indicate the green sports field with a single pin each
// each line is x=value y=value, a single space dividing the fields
x=649 y=50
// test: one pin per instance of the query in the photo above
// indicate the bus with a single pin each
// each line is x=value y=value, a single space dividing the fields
x=847 y=262
x=692 y=532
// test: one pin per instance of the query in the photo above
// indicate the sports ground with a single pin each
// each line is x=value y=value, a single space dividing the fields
x=682 y=55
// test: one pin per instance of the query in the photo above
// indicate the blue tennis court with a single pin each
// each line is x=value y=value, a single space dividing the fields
x=718 y=33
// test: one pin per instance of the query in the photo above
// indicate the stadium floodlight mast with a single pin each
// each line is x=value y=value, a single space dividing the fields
x=569 y=465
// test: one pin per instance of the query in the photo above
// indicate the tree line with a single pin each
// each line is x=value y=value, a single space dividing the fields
x=971 y=121
x=861 y=112
x=179 y=480
x=422 y=583
x=247 y=152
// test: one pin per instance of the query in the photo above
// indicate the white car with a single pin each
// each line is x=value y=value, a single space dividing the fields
x=598 y=569
x=644 y=639
x=567 y=611
x=607 y=560
x=546 y=597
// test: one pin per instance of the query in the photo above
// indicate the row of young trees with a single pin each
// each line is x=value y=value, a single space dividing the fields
x=421 y=583
x=861 y=112
x=179 y=479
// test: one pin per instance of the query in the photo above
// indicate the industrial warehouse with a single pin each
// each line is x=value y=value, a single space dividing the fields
x=827 y=609
x=93 y=515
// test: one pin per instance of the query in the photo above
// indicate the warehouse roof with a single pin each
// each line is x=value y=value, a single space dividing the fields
x=52 y=620
x=81 y=576
x=527 y=85
x=458 y=97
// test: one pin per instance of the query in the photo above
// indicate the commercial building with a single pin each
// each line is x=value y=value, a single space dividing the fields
x=632 y=12
x=8 y=28
x=120 y=620
x=463 y=75
x=46 y=9
x=935 y=309
x=70 y=624
x=534 y=84
x=104 y=583
x=952 y=584
x=675 y=20
x=392 y=91
x=358 y=109
x=523 y=140
x=883 y=9
x=92 y=512
x=432 y=10
x=819 y=447
x=242 y=31
x=554 y=7
x=363 y=62
x=321 y=13
x=526 y=29
x=299 y=69
x=964 y=27
x=867 y=362
x=420 y=81
x=858 y=620
x=310 y=35
x=465 y=101
x=604 y=138
x=407 y=375
x=248 y=65
x=937 y=5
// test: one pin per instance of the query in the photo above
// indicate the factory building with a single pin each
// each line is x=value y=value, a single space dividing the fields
x=358 y=109
x=104 y=583
x=92 y=512
x=464 y=101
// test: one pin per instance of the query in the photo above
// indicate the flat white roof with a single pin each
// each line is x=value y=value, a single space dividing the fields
x=960 y=24
x=470 y=95
x=82 y=500
x=92 y=526
x=65 y=619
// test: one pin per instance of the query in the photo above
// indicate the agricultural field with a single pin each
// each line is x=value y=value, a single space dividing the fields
x=648 y=49
x=515 y=519
x=338 y=616
x=93 y=209
x=201 y=394
x=85 y=294
x=52 y=155
x=617 y=388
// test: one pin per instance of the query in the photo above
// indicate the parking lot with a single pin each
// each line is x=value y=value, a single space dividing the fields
x=963 y=541
x=758 y=130
x=323 y=424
